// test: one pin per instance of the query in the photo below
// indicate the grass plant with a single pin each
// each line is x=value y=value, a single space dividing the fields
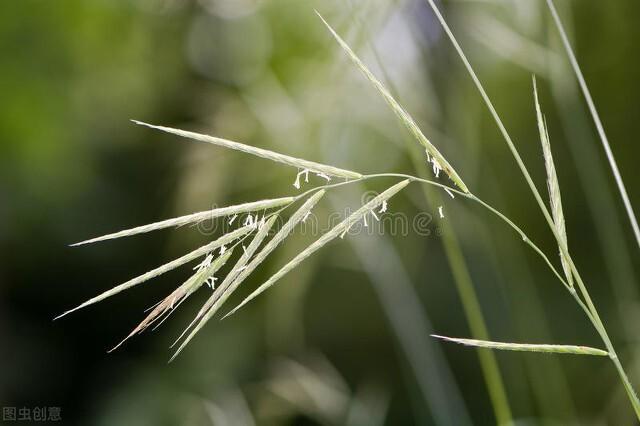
x=254 y=220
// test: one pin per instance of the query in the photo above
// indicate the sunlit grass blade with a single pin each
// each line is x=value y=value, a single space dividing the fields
x=403 y=115
x=195 y=218
x=336 y=231
x=298 y=216
x=526 y=347
x=202 y=317
x=225 y=239
x=264 y=153
x=168 y=304
x=596 y=119
x=552 y=184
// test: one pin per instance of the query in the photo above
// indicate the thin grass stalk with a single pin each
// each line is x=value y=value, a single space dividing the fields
x=593 y=179
x=596 y=119
x=594 y=316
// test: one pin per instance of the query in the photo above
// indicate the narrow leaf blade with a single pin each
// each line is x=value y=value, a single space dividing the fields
x=526 y=347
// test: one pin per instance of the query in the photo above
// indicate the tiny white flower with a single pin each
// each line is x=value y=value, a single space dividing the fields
x=436 y=167
x=384 y=206
x=440 y=212
x=344 y=232
x=450 y=193
x=211 y=282
x=304 y=172
x=232 y=219
x=324 y=176
x=205 y=263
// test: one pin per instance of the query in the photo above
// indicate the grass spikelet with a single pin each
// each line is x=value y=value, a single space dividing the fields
x=552 y=185
x=203 y=315
x=225 y=239
x=264 y=153
x=323 y=240
x=526 y=347
x=269 y=247
x=179 y=295
x=402 y=114
x=195 y=218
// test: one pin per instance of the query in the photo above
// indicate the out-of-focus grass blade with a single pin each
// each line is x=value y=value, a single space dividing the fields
x=195 y=218
x=225 y=239
x=336 y=231
x=552 y=184
x=526 y=347
x=403 y=115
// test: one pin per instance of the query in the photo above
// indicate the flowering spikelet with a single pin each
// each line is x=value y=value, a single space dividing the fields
x=403 y=115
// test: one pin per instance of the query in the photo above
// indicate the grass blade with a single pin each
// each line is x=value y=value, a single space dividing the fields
x=225 y=239
x=553 y=186
x=526 y=347
x=269 y=155
x=203 y=315
x=403 y=115
x=596 y=119
x=323 y=240
x=195 y=218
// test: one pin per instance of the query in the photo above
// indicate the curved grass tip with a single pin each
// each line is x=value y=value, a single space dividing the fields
x=526 y=347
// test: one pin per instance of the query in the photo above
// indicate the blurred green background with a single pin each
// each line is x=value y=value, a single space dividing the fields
x=344 y=339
